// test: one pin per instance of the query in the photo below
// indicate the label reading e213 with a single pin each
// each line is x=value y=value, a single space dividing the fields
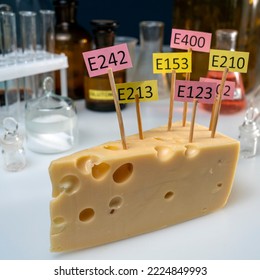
x=228 y=90
x=189 y=39
x=233 y=60
x=187 y=91
x=166 y=62
x=115 y=57
x=146 y=90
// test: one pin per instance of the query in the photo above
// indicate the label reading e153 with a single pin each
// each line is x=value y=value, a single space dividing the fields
x=116 y=57
x=189 y=39
x=166 y=62
x=146 y=90
x=187 y=91
x=233 y=60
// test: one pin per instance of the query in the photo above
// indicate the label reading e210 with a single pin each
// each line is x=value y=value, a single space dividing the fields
x=189 y=39
x=228 y=90
x=233 y=60
x=166 y=62
x=98 y=61
x=146 y=90
x=187 y=91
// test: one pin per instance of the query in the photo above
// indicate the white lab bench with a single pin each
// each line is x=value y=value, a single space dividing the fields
x=229 y=233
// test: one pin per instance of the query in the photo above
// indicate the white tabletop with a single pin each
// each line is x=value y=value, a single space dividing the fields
x=230 y=233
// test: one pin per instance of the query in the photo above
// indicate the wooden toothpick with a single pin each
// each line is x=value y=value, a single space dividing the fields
x=195 y=103
x=117 y=106
x=185 y=105
x=173 y=79
x=218 y=103
x=139 y=118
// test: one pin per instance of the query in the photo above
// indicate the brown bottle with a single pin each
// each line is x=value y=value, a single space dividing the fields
x=72 y=40
x=98 y=93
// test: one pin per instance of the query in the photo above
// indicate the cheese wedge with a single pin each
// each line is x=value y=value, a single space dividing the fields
x=106 y=193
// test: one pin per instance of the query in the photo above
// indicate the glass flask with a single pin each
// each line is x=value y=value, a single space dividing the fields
x=151 y=41
x=72 y=40
x=50 y=122
x=12 y=146
x=226 y=40
x=98 y=93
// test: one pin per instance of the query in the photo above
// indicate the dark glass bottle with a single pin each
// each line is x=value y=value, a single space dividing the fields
x=226 y=40
x=72 y=40
x=98 y=94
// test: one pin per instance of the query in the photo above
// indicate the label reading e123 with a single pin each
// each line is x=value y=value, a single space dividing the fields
x=189 y=39
x=166 y=62
x=187 y=91
x=115 y=57
x=146 y=90
x=233 y=60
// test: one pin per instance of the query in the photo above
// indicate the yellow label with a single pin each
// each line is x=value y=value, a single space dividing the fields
x=146 y=90
x=233 y=60
x=100 y=94
x=167 y=62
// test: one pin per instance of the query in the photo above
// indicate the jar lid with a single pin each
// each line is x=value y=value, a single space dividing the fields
x=104 y=24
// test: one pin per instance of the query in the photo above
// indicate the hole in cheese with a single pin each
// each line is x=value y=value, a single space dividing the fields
x=85 y=164
x=169 y=195
x=164 y=153
x=100 y=170
x=191 y=151
x=86 y=215
x=116 y=202
x=70 y=184
x=112 y=148
x=123 y=173
x=58 y=220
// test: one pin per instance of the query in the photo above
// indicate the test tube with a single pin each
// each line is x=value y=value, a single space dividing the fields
x=28 y=44
x=9 y=93
x=8 y=42
x=47 y=31
x=28 y=34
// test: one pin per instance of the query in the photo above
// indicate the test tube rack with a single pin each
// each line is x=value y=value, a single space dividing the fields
x=52 y=62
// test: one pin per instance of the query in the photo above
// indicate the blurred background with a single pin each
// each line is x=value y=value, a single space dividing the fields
x=128 y=14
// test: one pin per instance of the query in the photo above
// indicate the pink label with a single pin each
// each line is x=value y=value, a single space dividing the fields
x=187 y=91
x=188 y=39
x=99 y=61
x=229 y=87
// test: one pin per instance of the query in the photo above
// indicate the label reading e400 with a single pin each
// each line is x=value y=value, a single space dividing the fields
x=146 y=90
x=99 y=61
x=233 y=60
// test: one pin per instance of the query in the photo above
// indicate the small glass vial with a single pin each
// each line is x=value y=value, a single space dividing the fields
x=12 y=146
x=226 y=40
x=51 y=122
x=249 y=133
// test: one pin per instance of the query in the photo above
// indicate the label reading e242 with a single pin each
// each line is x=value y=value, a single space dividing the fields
x=146 y=90
x=116 y=57
x=166 y=62
x=187 y=91
x=189 y=39
x=233 y=60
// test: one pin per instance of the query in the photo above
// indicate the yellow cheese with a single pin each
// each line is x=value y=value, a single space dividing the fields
x=105 y=193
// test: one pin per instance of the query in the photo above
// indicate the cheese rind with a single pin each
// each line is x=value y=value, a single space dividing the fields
x=105 y=193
